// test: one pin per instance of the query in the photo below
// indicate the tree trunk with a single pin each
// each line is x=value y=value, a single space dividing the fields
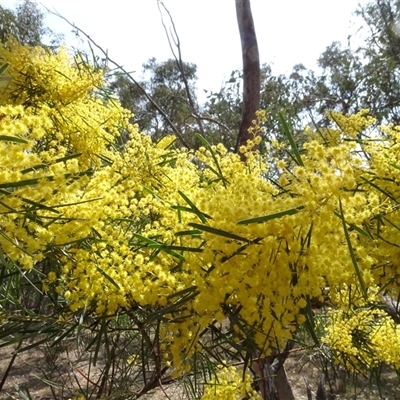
x=274 y=384
x=251 y=70
x=271 y=375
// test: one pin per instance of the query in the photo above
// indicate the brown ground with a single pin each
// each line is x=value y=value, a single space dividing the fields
x=30 y=367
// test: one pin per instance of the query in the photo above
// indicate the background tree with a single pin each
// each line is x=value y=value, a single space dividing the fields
x=278 y=94
x=350 y=79
x=27 y=24
x=347 y=79
x=382 y=52
x=163 y=82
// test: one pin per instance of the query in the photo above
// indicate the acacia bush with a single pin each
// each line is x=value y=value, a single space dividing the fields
x=167 y=243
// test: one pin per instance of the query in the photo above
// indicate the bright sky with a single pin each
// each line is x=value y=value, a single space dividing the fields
x=288 y=31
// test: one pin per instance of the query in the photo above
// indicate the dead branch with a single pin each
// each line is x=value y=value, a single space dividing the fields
x=173 y=36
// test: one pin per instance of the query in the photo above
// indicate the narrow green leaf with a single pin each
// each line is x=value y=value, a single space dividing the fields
x=59 y=339
x=41 y=166
x=34 y=168
x=76 y=203
x=219 y=177
x=182 y=292
x=360 y=230
x=169 y=145
x=269 y=217
x=190 y=210
x=379 y=189
x=47 y=382
x=218 y=232
x=391 y=223
x=310 y=321
x=240 y=250
x=395 y=166
x=131 y=221
x=152 y=193
x=2 y=261
x=103 y=330
x=192 y=232
x=21 y=394
x=156 y=245
x=288 y=133
x=167 y=161
x=228 y=339
x=108 y=277
x=214 y=157
x=356 y=228
x=39 y=206
x=12 y=242
x=166 y=249
x=173 y=307
x=13 y=139
x=195 y=210
x=3 y=68
x=183 y=208
x=69 y=157
x=351 y=251
x=8 y=207
x=105 y=159
x=34 y=344
x=144 y=239
x=63 y=75
x=188 y=349
x=247 y=361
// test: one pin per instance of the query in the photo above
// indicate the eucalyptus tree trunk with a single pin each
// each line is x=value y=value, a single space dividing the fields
x=251 y=69
x=274 y=384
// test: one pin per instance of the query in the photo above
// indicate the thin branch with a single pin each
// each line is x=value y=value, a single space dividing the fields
x=215 y=121
x=178 y=58
x=149 y=98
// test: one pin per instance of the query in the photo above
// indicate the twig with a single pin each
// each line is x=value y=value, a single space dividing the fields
x=178 y=59
x=10 y=364
x=160 y=384
x=215 y=121
x=121 y=68
x=90 y=381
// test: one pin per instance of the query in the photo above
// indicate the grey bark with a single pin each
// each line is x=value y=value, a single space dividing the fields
x=251 y=69
x=271 y=374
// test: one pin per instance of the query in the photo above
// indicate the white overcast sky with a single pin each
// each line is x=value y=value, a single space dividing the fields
x=288 y=31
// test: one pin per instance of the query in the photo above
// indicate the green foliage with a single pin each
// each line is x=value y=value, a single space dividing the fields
x=26 y=24
x=366 y=77
x=164 y=83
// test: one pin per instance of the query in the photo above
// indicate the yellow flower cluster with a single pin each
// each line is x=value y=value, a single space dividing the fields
x=59 y=89
x=193 y=236
x=363 y=338
x=230 y=384
x=53 y=131
x=352 y=125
